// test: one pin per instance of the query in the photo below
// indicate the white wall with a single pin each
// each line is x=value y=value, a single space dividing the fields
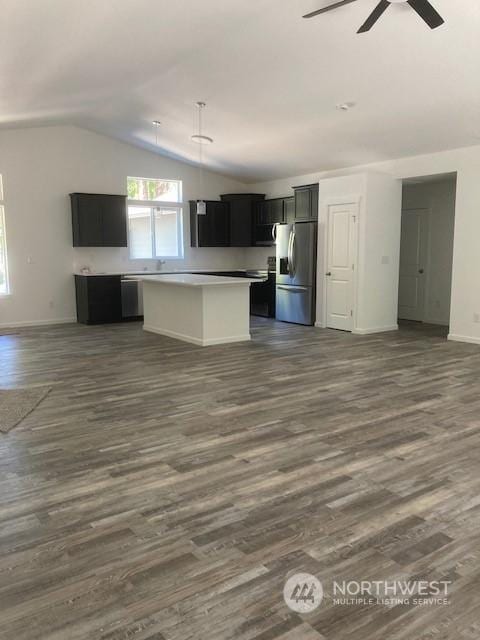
x=379 y=267
x=342 y=187
x=378 y=239
x=40 y=167
x=439 y=198
x=465 y=162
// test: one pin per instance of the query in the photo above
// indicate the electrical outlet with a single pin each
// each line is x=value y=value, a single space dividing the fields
x=51 y=304
x=476 y=317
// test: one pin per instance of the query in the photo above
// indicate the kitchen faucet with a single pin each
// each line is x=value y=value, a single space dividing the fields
x=160 y=264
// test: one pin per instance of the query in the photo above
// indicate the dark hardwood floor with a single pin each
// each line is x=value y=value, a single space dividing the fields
x=165 y=491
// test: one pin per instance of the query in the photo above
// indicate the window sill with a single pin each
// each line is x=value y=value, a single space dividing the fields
x=170 y=259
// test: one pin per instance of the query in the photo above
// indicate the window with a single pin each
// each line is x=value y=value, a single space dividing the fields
x=3 y=247
x=155 y=227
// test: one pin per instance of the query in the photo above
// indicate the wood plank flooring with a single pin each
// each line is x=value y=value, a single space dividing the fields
x=164 y=492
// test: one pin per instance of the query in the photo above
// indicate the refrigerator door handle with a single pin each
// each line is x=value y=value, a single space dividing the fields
x=292 y=289
x=289 y=256
x=274 y=233
x=294 y=253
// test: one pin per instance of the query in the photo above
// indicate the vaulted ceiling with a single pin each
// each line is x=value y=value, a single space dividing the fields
x=271 y=80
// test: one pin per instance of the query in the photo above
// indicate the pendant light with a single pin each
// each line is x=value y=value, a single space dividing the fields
x=201 y=139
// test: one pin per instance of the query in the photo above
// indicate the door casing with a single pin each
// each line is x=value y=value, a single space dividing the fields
x=424 y=263
x=355 y=202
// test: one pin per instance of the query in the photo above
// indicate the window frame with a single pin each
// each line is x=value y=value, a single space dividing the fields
x=159 y=204
x=153 y=205
x=3 y=224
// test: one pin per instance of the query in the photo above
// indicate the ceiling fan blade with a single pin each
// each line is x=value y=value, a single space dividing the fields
x=374 y=16
x=427 y=13
x=336 y=5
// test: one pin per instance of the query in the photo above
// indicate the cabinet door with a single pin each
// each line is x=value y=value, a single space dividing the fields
x=261 y=212
x=217 y=213
x=104 y=299
x=99 y=299
x=114 y=220
x=314 y=203
x=306 y=202
x=289 y=210
x=303 y=203
x=241 y=223
x=211 y=229
x=86 y=220
x=276 y=211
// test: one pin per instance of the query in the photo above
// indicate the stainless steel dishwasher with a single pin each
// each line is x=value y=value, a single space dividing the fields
x=132 y=298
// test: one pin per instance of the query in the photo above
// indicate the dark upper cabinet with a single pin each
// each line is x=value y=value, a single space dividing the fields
x=269 y=212
x=241 y=213
x=211 y=229
x=289 y=209
x=99 y=220
x=114 y=220
x=306 y=202
x=99 y=299
x=227 y=223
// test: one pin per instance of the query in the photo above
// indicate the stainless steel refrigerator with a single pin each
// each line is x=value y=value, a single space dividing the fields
x=296 y=272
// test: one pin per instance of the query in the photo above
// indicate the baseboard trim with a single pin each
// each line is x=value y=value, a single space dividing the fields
x=36 y=323
x=440 y=323
x=320 y=325
x=199 y=342
x=456 y=338
x=366 y=332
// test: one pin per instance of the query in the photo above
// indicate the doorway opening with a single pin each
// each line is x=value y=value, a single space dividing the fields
x=426 y=252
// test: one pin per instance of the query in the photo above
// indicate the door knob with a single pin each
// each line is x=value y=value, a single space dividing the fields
x=421 y=271
x=329 y=273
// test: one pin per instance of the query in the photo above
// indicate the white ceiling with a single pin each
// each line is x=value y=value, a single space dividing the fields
x=271 y=80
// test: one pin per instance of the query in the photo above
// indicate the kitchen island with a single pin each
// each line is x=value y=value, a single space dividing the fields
x=201 y=309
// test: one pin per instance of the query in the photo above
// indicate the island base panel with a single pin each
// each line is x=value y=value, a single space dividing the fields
x=200 y=315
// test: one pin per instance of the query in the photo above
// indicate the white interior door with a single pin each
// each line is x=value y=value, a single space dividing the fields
x=413 y=258
x=341 y=258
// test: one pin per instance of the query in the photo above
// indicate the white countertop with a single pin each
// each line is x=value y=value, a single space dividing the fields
x=193 y=280
x=164 y=271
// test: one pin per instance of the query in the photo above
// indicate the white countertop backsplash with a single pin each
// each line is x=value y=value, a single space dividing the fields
x=116 y=261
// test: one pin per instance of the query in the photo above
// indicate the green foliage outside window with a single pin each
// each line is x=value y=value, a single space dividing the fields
x=153 y=190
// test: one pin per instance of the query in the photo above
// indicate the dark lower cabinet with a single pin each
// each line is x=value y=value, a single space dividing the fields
x=99 y=220
x=262 y=297
x=99 y=299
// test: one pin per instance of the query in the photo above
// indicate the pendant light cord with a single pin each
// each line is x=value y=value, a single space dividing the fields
x=201 y=106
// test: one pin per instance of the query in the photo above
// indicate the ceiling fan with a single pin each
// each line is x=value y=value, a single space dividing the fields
x=422 y=7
